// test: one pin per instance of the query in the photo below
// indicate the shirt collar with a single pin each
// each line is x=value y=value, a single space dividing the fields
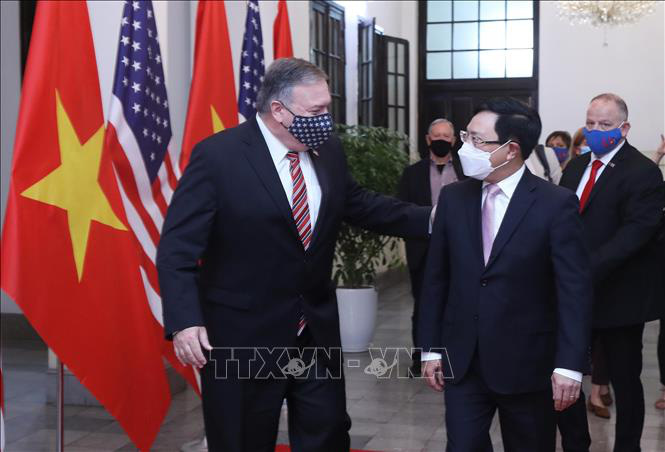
x=606 y=158
x=277 y=149
x=509 y=184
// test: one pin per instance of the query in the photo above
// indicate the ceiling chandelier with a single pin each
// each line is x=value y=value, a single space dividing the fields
x=604 y=13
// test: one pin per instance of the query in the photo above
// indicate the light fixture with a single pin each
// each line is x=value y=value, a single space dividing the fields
x=604 y=13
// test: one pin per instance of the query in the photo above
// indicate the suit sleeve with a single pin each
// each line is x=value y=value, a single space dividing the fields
x=403 y=188
x=434 y=295
x=574 y=287
x=383 y=214
x=641 y=212
x=183 y=241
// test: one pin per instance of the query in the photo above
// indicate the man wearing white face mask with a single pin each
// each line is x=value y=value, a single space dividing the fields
x=507 y=290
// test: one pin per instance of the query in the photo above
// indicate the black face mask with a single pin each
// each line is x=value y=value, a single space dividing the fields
x=440 y=148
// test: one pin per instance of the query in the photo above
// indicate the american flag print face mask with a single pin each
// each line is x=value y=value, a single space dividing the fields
x=312 y=131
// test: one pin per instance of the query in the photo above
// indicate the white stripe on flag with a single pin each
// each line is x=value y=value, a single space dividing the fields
x=136 y=223
x=154 y=300
x=131 y=149
x=175 y=159
x=163 y=176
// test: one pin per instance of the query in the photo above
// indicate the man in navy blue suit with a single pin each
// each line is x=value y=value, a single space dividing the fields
x=245 y=261
x=507 y=291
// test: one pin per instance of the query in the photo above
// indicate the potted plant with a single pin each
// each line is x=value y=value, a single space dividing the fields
x=376 y=158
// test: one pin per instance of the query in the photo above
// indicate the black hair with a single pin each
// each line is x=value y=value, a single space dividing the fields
x=517 y=122
x=565 y=136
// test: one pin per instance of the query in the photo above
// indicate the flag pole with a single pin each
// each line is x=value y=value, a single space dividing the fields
x=60 y=432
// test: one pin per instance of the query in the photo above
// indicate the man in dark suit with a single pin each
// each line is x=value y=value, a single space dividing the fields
x=421 y=184
x=620 y=204
x=245 y=261
x=507 y=290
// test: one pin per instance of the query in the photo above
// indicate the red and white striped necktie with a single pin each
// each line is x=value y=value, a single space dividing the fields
x=300 y=209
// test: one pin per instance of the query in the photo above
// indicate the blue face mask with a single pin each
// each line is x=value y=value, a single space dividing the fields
x=584 y=150
x=561 y=153
x=602 y=141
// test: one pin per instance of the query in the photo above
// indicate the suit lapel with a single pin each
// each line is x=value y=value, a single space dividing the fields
x=577 y=171
x=322 y=176
x=606 y=175
x=473 y=210
x=258 y=155
x=520 y=203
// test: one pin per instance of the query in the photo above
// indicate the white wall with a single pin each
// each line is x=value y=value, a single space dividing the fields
x=9 y=93
x=575 y=66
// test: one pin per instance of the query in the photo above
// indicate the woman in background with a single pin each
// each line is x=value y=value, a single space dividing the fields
x=560 y=142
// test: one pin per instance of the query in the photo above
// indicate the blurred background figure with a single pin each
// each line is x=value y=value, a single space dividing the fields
x=560 y=142
x=579 y=146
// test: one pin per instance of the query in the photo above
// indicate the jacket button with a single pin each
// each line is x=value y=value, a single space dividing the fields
x=475 y=317
x=483 y=283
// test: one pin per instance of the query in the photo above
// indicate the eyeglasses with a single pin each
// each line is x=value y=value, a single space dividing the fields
x=465 y=136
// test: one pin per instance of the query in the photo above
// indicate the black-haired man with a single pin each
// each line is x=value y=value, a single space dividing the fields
x=507 y=290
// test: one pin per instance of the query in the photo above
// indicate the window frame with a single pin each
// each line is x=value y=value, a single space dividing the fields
x=424 y=52
x=330 y=56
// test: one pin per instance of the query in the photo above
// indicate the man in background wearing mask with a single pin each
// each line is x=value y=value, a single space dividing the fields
x=421 y=184
x=507 y=291
x=621 y=205
x=245 y=260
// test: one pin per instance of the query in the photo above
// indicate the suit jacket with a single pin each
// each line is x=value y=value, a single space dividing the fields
x=415 y=187
x=230 y=257
x=621 y=218
x=529 y=310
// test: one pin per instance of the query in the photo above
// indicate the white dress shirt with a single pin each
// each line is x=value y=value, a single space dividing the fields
x=587 y=172
x=278 y=153
x=501 y=201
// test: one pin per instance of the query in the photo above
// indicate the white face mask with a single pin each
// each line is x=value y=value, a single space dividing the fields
x=476 y=163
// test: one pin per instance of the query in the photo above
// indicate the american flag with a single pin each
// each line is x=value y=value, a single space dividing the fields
x=252 y=64
x=139 y=138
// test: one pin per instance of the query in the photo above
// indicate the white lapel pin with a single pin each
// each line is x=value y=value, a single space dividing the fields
x=612 y=165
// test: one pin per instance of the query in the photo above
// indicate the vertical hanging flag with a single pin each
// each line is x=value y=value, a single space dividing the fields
x=138 y=138
x=212 y=96
x=252 y=64
x=281 y=33
x=68 y=259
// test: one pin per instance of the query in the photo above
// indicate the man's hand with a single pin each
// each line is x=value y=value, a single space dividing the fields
x=187 y=345
x=565 y=391
x=433 y=374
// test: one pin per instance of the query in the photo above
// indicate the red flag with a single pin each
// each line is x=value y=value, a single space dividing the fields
x=212 y=96
x=68 y=258
x=281 y=33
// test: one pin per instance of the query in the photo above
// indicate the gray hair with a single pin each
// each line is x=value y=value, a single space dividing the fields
x=618 y=101
x=282 y=75
x=439 y=121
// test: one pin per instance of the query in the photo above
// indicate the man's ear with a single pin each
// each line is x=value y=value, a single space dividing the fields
x=625 y=128
x=428 y=140
x=278 y=111
x=513 y=151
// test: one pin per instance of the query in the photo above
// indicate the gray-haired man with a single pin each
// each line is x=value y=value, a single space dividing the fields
x=245 y=261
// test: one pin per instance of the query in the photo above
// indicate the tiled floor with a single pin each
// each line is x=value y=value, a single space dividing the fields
x=388 y=414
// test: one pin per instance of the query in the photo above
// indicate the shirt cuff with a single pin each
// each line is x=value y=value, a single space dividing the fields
x=575 y=375
x=431 y=220
x=429 y=356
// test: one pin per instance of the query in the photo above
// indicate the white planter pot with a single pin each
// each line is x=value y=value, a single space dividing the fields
x=357 y=317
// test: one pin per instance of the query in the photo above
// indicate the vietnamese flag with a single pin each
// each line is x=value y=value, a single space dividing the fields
x=212 y=96
x=68 y=258
x=281 y=33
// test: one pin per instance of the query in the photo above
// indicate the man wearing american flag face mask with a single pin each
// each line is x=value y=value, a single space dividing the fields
x=260 y=205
